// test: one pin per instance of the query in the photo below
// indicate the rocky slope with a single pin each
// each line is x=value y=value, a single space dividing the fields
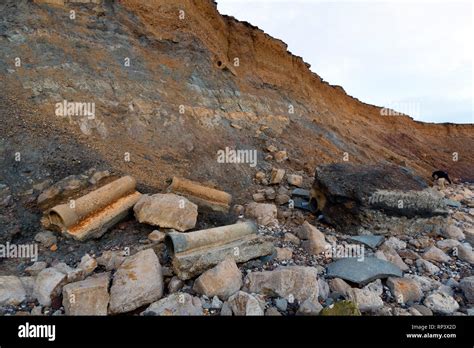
x=314 y=269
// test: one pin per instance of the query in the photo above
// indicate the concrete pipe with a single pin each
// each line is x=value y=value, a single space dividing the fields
x=95 y=212
x=220 y=64
x=195 y=252
x=178 y=242
x=193 y=262
x=204 y=197
x=224 y=64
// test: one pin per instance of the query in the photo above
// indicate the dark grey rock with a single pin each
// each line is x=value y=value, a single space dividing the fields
x=303 y=204
x=371 y=241
x=281 y=304
x=298 y=192
x=362 y=272
x=452 y=203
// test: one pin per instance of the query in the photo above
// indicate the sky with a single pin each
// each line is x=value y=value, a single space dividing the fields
x=415 y=56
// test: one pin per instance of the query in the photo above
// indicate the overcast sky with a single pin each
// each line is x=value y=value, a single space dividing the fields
x=414 y=56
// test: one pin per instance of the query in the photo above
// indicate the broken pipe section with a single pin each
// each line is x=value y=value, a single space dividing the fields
x=203 y=196
x=94 y=213
x=195 y=252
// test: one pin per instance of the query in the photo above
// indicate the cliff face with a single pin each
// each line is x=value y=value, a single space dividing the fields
x=173 y=82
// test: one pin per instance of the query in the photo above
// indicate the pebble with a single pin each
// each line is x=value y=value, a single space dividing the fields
x=46 y=238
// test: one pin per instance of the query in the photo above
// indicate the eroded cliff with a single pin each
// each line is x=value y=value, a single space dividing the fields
x=173 y=82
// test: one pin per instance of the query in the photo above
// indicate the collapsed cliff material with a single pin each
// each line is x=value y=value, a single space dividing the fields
x=350 y=196
x=412 y=203
x=195 y=252
x=205 y=197
x=94 y=213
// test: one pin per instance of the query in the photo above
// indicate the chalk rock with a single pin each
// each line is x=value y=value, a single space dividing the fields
x=283 y=254
x=281 y=199
x=423 y=309
x=111 y=259
x=296 y=282
x=440 y=302
x=280 y=156
x=466 y=254
x=88 y=264
x=339 y=286
x=396 y=243
x=87 y=297
x=175 y=285
x=246 y=304
x=405 y=290
x=223 y=280
x=469 y=234
x=36 y=267
x=177 y=304
x=156 y=236
x=426 y=283
x=391 y=255
x=447 y=244
x=323 y=289
x=216 y=303
x=295 y=180
x=12 y=291
x=314 y=241
x=309 y=308
x=264 y=213
x=426 y=266
x=272 y=312
x=259 y=176
x=290 y=237
x=270 y=193
x=72 y=274
x=48 y=285
x=137 y=282
x=167 y=211
x=366 y=299
x=435 y=254
x=277 y=176
x=453 y=232
x=258 y=197
x=98 y=176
